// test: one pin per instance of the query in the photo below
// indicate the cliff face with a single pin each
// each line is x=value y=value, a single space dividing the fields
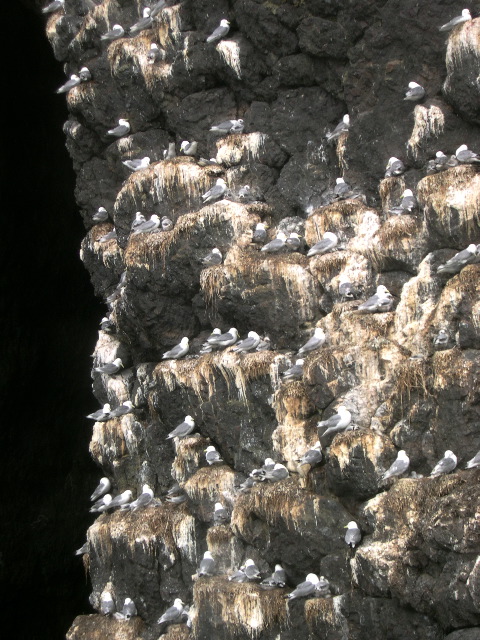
x=290 y=70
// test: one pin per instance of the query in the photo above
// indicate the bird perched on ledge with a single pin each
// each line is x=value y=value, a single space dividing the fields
x=415 y=92
x=342 y=127
x=178 y=351
x=336 y=423
x=228 y=126
x=220 y=32
x=464 y=17
x=382 y=300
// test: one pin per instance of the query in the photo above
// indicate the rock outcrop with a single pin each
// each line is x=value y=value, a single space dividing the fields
x=290 y=71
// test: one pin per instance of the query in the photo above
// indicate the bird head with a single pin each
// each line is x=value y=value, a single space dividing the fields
x=351 y=525
x=281 y=236
x=207 y=555
x=346 y=119
x=106 y=409
x=146 y=12
x=124 y=123
x=189 y=420
x=407 y=192
x=340 y=181
x=312 y=578
x=466 y=14
x=249 y=563
x=299 y=362
x=209 y=449
x=462 y=147
x=118 y=362
x=224 y=23
x=218 y=506
x=412 y=85
x=184 y=342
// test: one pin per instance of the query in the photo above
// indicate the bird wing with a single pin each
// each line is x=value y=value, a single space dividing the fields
x=218 y=33
x=445 y=465
x=303 y=589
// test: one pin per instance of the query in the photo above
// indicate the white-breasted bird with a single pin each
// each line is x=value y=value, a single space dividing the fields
x=336 y=423
x=446 y=465
x=415 y=92
x=121 y=130
x=180 y=350
x=464 y=17
x=353 y=535
x=220 y=32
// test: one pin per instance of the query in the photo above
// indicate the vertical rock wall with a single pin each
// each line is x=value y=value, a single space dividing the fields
x=290 y=70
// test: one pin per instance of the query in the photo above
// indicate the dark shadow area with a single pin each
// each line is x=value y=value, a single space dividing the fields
x=49 y=320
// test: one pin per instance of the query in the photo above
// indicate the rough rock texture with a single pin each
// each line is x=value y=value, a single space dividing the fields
x=291 y=70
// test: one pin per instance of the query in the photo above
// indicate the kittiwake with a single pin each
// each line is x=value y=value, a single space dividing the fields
x=220 y=32
x=382 y=300
x=398 y=467
x=456 y=21
x=110 y=368
x=325 y=245
x=316 y=341
x=336 y=423
x=415 y=92
x=445 y=465
x=183 y=429
x=178 y=351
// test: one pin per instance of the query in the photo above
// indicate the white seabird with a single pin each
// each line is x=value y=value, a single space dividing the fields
x=84 y=74
x=445 y=465
x=122 y=410
x=111 y=235
x=207 y=565
x=148 y=226
x=117 y=31
x=248 y=344
x=143 y=500
x=107 y=325
x=173 y=614
x=183 y=429
x=279 y=472
x=459 y=260
x=415 y=92
x=441 y=339
x=212 y=456
x=178 y=351
x=295 y=372
x=399 y=467
x=154 y=53
x=139 y=219
x=224 y=339
x=382 y=300
x=474 y=462
x=464 y=17
x=251 y=570
x=166 y=223
x=107 y=606
x=259 y=474
x=277 y=580
x=304 y=589
x=336 y=423
x=313 y=456
x=395 y=167
x=220 y=32
x=228 y=126
x=54 y=6
x=407 y=203
x=239 y=576
x=342 y=127
x=121 y=130
x=102 y=415
x=260 y=234
x=215 y=192
x=220 y=514
x=465 y=156
x=111 y=368
x=274 y=246
x=137 y=164
x=100 y=504
x=103 y=487
x=144 y=23
x=326 y=244
x=353 y=534
x=213 y=258
x=101 y=215
x=206 y=346
x=122 y=499
x=342 y=190
x=293 y=242
x=73 y=82
x=316 y=341
x=129 y=609
x=189 y=148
